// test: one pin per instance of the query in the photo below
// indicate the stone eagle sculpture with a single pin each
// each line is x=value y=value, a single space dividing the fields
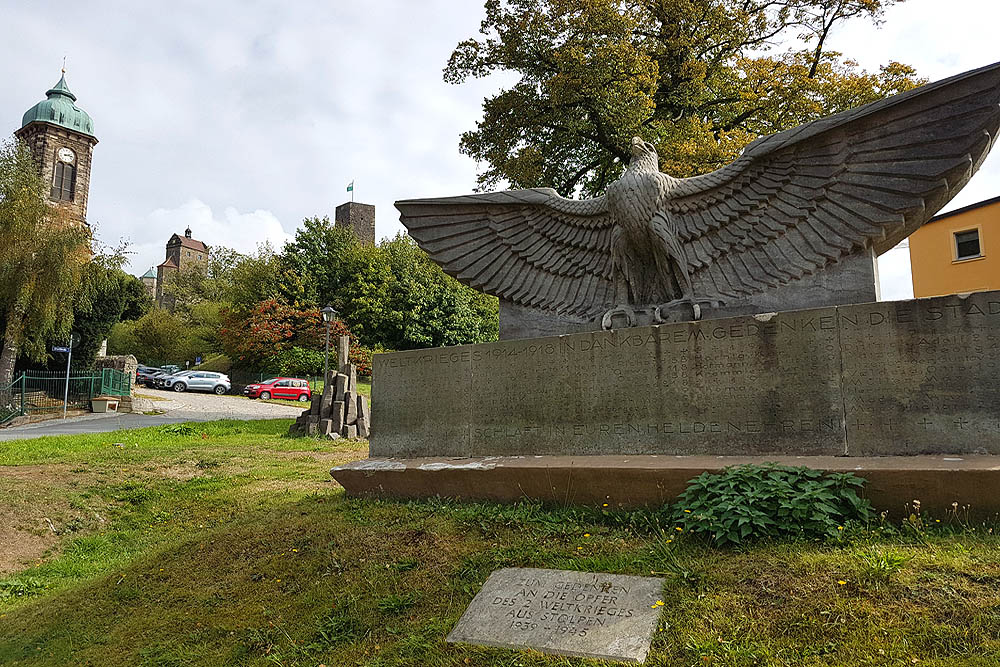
x=791 y=205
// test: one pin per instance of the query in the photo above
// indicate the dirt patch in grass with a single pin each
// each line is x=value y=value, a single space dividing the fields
x=20 y=548
x=30 y=503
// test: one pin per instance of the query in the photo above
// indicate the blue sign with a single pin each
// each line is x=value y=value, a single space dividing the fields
x=59 y=348
x=197 y=360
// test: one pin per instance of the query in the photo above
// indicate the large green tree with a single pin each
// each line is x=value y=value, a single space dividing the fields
x=106 y=296
x=699 y=79
x=390 y=295
x=41 y=259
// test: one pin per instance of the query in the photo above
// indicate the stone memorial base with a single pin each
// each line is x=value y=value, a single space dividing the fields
x=905 y=393
x=650 y=480
x=872 y=379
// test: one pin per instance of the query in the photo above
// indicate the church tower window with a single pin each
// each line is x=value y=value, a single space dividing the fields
x=63 y=182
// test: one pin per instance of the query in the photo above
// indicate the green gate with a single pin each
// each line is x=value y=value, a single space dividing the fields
x=114 y=382
x=44 y=391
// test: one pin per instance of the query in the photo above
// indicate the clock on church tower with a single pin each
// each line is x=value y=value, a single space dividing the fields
x=61 y=137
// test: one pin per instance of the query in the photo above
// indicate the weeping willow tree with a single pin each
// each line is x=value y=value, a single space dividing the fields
x=42 y=255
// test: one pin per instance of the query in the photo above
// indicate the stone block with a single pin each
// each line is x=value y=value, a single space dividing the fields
x=325 y=426
x=337 y=416
x=333 y=436
x=340 y=387
x=350 y=408
x=326 y=400
x=352 y=378
x=363 y=409
x=613 y=616
x=314 y=408
x=343 y=347
x=351 y=431
x=312 y=428
x=362 y=427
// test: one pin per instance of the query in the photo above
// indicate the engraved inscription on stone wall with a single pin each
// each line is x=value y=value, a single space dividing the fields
x=909 y=377
x=922 y=376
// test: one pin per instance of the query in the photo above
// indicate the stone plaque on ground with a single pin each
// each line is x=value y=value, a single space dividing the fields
x=609 y=616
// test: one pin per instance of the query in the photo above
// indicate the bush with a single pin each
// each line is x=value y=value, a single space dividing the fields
x=747 y=502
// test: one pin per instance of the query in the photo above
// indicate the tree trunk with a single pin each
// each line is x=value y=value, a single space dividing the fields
x=11 y=345
x=8 y=357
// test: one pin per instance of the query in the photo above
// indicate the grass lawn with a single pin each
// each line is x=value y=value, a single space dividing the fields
x=227 y=543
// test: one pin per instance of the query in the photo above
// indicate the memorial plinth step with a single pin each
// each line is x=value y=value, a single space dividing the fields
x=636 y=481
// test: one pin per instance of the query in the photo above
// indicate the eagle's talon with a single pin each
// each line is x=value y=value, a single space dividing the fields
x=695 y=304
x=607 y=320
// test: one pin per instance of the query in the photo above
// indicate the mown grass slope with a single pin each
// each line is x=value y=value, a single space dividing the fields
x=226 y=544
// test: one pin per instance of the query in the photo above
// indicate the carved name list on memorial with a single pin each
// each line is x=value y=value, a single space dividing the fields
x=905 y=377
x=794 y=222
x=608 y=616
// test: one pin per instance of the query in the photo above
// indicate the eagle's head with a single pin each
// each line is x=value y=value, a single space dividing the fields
x=643 y=155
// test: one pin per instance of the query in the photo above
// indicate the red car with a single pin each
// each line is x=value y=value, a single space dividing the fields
x=291 y=389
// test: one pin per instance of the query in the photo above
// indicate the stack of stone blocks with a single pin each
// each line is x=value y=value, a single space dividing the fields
x=340 y=411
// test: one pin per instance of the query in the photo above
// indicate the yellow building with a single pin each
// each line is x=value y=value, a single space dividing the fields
x=957 y=252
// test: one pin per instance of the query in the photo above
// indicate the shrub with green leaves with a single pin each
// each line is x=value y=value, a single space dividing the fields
x=749 y=502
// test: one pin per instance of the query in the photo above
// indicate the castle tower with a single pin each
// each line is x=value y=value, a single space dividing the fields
x=61 y=137
x=360 y=218
x=184 y=254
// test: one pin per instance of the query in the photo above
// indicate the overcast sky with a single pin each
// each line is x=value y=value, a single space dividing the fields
x=241 y=118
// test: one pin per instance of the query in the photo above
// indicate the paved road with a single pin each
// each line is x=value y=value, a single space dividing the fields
x=189 y=406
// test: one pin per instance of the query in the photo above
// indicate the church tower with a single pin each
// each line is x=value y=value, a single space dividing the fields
x=61 y=137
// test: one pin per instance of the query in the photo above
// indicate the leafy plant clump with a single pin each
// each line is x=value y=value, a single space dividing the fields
x=749 y=502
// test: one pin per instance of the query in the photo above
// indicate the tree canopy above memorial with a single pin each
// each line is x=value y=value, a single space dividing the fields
x=698 y=79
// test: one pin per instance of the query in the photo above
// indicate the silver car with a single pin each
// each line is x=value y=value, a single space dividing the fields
x=198 y=381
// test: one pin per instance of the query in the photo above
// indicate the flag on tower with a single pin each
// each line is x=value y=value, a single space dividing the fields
x=350 y=186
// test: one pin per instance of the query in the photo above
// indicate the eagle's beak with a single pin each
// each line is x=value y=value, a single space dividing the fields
x=638 y=147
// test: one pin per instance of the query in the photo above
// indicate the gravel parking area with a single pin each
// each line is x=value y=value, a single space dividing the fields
x=176 y=408
x=200 y=406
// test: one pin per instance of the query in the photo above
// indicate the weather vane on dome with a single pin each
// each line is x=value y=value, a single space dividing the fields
x=64 y=65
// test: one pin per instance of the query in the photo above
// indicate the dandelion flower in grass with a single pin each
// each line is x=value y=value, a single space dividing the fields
x=840 y=527
x=579 y=548
x=841 y=582
x=688 y=511
x=586 y=534
x=604 y=505
x=679 y=529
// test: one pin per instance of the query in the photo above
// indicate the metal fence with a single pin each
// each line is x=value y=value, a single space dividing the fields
x=43 y=391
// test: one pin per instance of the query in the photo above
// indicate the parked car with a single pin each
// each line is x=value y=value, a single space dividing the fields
x=291 y=389
x=154 y=380
x=196 y=381
x=145 y=374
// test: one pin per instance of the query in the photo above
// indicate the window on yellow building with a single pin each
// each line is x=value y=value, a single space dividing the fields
x=967 y=244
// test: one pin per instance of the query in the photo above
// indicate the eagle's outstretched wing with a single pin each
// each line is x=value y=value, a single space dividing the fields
x=532 y=247
x=800 y=199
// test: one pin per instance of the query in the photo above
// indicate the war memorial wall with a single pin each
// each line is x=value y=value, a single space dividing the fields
x=890 y=378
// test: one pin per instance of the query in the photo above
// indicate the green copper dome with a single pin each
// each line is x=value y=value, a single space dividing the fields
x=59 y=109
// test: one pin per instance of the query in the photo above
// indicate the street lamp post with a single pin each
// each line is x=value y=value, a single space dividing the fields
x=328 y=314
